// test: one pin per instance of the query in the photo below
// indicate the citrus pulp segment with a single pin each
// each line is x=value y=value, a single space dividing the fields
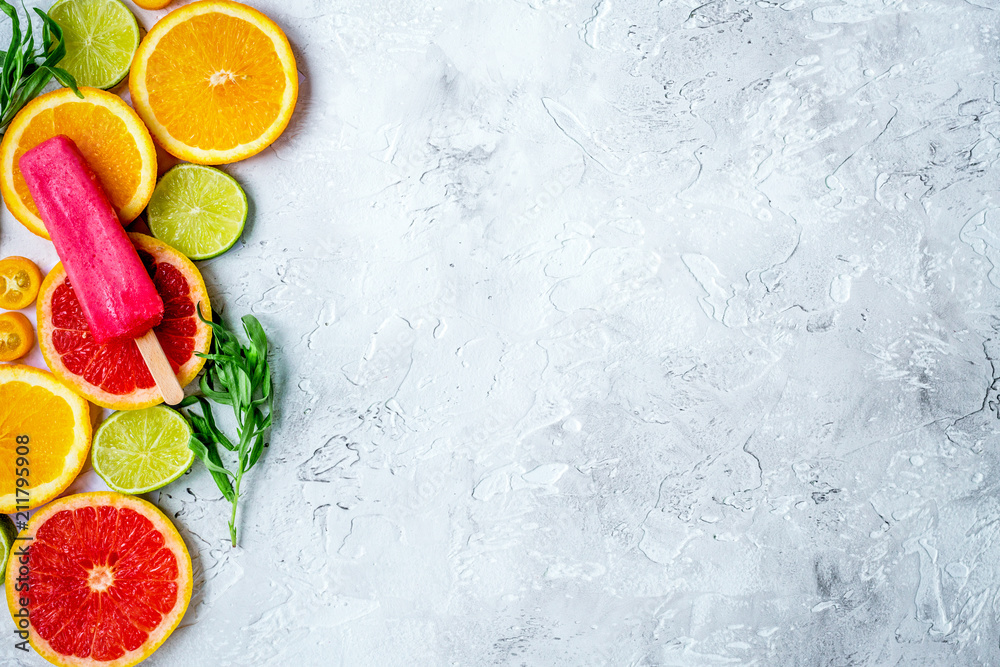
x=108 y=580
x=113 y=375
x=109 y=134
x=45 y=433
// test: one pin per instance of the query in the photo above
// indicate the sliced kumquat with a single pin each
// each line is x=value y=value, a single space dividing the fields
x=19 y=282
x=152 y=4
x=16 y=336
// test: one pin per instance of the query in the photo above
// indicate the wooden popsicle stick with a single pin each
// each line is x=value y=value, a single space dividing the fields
x=159 y=368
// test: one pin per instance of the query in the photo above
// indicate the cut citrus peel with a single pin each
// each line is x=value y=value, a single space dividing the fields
x=114 y=375
x=215 y=81
x=19 y=282
x=109 y=579
x=43 y=415
x=108 y=133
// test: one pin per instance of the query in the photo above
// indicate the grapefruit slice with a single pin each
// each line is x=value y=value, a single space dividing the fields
x=113 y=375
x=108 y=579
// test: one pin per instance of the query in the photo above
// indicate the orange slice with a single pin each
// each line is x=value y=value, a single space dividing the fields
x=215 y=81
x=16 y=336
x=105 y=580
x=108 y=133
x=19 y=281
x=152 y=4
x=45 y=433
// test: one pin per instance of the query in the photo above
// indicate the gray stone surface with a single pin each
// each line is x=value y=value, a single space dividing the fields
x=616 y=333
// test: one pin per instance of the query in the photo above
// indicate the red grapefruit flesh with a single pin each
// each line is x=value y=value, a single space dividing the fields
x=109 y=578
x=113 y=375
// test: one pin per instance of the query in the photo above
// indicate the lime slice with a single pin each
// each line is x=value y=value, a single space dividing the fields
x=7 y=534
x=198 y=210
x=138 y=451
x=101 y=38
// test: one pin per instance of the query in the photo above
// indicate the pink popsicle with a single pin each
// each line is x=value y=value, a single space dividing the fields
x=116 y=294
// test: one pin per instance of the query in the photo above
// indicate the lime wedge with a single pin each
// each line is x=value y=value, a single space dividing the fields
x=7 y=534
x=197 y=210
x=138 y=451
x=101 y=38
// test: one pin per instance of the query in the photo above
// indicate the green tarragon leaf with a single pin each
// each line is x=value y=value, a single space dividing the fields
x=24 y=73
x=239 y=376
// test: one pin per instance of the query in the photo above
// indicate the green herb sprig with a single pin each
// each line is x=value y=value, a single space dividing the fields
x=239 y=376
x=23 y=72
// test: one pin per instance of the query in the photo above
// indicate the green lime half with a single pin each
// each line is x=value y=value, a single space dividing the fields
x=101 y=38
x=138 y=451
x=198 y=210
x=7 y=534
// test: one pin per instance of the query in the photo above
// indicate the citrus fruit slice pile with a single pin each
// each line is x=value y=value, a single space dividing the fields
x=101 y=37
x=19 y=281
x=215 y=82
x=198 y=210
x=109 y=578
x=44 y=431
x=113 y=375
x=108 y=133
x=139 y=451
